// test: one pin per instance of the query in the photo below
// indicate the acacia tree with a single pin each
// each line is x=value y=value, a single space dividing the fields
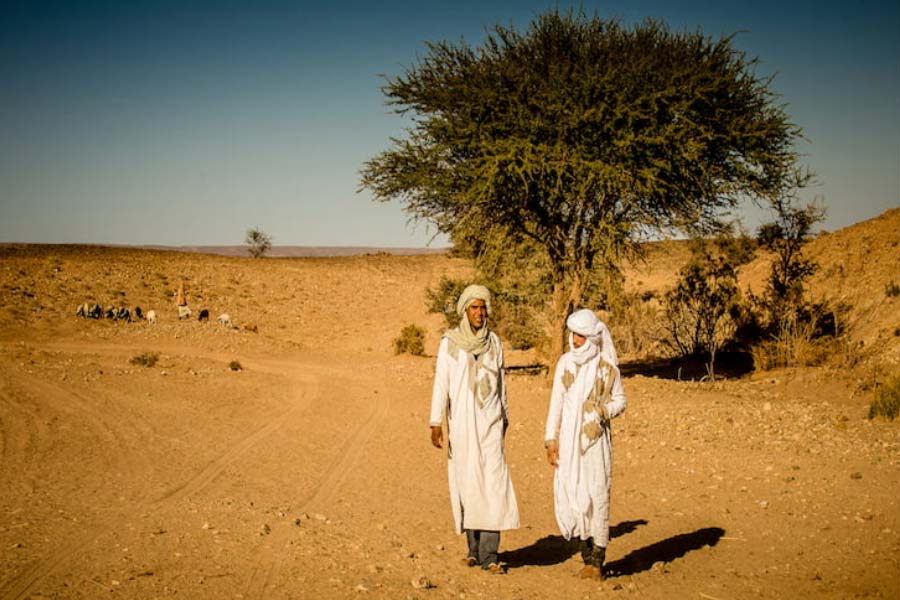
x=581 y=135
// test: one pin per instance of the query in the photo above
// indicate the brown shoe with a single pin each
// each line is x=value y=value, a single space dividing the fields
x=469 y=561
x=590 y=572
x=495 y=569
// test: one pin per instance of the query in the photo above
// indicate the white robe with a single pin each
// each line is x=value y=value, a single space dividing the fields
x=481 y=491
x=581 y=483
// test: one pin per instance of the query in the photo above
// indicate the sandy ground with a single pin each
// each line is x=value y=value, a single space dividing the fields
x=309 y=473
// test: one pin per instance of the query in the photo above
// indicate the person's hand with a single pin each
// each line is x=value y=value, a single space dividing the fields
x=553 y=453
x=437 y=436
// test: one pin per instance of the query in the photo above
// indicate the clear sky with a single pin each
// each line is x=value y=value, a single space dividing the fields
x=186 y=122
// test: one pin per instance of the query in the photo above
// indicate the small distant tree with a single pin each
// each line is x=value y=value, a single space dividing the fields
x=783 y=299
x=258 y=242
x=701 y=311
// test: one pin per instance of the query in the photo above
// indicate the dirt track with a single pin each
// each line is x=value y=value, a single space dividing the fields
x=309 y=473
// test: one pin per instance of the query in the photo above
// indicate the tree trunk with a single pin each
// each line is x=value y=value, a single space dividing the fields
x=566 y=299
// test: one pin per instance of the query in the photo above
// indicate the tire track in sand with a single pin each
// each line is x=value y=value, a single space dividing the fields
x=20 y=587
x=272 y=556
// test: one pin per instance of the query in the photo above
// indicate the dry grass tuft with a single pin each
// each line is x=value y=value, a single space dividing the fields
x=886 y=402
x=147 y=359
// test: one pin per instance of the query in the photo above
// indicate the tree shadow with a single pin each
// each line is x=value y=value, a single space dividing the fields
x=532 y=369
x=625 y=527
x=665 y=551
x=554 y=549
x=729 y=365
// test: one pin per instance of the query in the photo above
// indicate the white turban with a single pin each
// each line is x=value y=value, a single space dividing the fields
x=585 y=323
x=475 y=342
x=469 y=295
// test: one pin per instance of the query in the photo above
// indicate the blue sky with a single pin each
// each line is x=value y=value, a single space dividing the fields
x=185 y=123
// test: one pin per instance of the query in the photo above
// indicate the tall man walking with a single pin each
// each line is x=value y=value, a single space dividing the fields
x=469 y=388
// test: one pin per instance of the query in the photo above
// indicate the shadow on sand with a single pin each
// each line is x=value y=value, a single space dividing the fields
x=554 y=549
x=664 y=551
x=729 y=365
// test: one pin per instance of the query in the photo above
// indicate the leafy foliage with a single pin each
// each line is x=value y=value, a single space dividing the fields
x=258 y=242
x=575 y=138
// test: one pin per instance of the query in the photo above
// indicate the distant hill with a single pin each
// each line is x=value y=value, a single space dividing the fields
x=300 y=251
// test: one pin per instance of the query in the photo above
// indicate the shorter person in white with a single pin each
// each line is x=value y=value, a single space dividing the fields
x=587 y=392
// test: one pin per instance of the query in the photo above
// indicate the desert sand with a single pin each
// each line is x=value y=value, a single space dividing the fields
x=288 y=456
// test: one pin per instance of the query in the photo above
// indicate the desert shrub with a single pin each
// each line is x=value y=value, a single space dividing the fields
x=411 y=341
x=892 y=290
x=634 y=324
x=701 y=312
x=783 y=302
x=813 y=336
x=147 y=359
x=886 y=402
x=235 y=366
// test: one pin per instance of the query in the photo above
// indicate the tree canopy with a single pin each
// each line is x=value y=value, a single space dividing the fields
x=579 y=136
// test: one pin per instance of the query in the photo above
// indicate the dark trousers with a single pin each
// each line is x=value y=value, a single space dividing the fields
x=483 y=546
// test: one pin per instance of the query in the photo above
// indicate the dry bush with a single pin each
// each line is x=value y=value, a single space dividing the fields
x=886 y=402
x=411 y=341
x=634 y=323
x=797 y=345
x=147 y=359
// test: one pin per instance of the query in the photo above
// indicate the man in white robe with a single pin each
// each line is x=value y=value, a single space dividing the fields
x=587 y=392
x=469 y=388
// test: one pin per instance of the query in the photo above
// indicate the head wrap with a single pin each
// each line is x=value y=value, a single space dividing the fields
x=584 y=322
x=469 y=295
x=477 y=342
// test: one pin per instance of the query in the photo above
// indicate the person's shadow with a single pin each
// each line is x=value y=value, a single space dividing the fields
x=664 y=551
x=554 y=549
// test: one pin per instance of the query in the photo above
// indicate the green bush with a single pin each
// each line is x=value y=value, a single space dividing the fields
x=411 y=341
x=147 y=359
x=235 y=366
x=886 y=402
x=892 y=290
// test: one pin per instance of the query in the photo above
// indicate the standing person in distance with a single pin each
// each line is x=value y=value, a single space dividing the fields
x=469 y=388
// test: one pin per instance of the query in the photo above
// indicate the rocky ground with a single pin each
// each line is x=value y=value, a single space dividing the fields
x=289 y=457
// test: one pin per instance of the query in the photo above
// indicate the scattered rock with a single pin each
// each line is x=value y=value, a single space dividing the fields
x=422 y=583
x=265 y=529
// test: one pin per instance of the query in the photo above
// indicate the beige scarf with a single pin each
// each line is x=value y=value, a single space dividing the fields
x=463 y=337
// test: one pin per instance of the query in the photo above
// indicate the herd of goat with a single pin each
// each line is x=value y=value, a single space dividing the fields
x=122 y=313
